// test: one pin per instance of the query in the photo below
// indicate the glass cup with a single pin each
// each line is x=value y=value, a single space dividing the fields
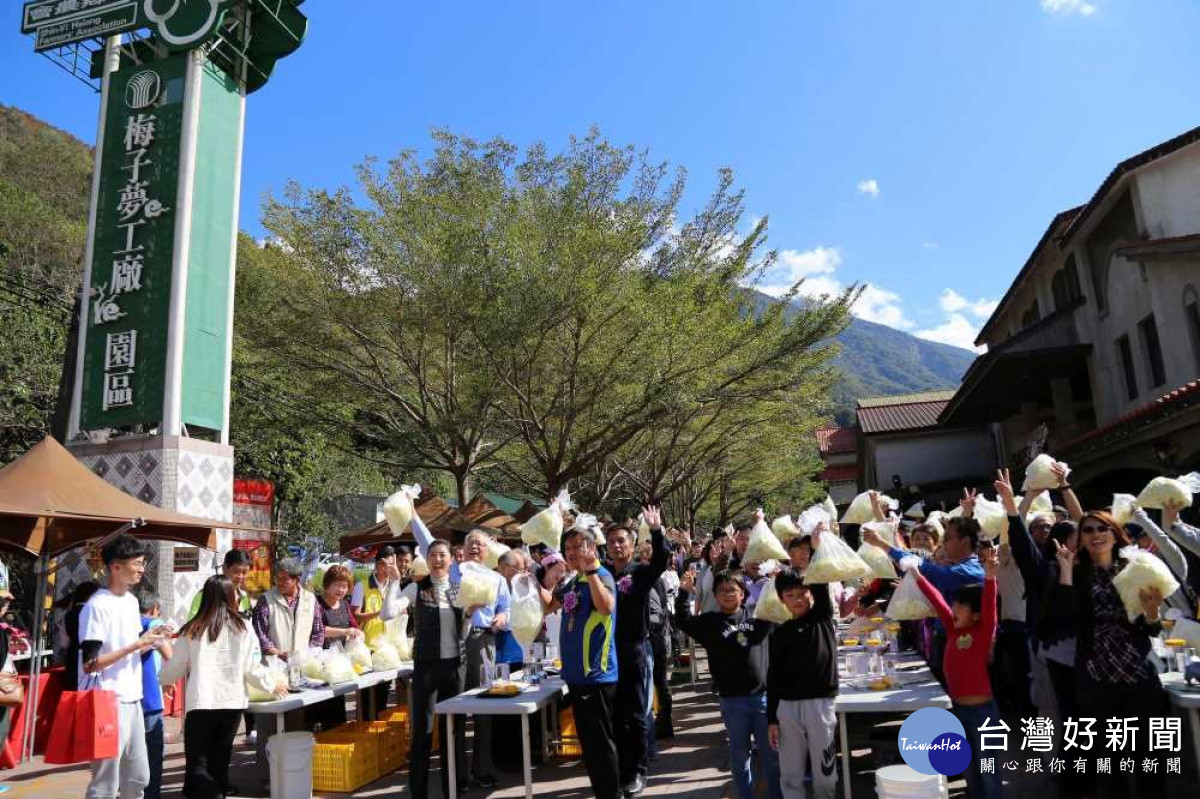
x=1183 y=656
x=502 y=672
x=487 y=675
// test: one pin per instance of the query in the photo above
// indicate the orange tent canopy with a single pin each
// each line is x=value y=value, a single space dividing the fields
x=50 y=502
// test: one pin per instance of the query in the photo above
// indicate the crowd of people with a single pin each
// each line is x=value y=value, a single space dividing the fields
x=1033 y=626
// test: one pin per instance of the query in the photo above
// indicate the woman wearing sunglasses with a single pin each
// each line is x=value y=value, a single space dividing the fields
x=1114 y=676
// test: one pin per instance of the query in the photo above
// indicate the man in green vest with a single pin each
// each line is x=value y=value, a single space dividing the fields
x=237 y=568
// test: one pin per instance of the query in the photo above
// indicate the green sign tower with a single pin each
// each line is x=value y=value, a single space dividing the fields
x=150 y=392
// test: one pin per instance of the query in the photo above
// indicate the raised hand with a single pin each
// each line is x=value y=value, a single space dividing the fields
x=1003 y=484
x=653 y=515
x=1060 y=471
x=967 y=503
x=1066 y=563
x=990 y=558
x=687 y=580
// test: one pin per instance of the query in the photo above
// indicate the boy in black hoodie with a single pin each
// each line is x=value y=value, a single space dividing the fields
x=802 y=681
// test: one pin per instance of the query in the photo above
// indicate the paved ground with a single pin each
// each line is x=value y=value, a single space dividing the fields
x=692 y=765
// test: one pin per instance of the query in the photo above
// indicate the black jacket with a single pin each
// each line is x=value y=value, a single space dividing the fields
x=803 y=656
x=728 y=640
x=634 y=585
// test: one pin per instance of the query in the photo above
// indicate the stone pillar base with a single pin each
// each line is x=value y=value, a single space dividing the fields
x=181 y=474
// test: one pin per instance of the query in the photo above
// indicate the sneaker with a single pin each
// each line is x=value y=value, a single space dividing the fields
x=634 y=788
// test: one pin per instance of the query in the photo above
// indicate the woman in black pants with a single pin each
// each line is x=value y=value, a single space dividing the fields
x=1113 y=674
x=218 y=654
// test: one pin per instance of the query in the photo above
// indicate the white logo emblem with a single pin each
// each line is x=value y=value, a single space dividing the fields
x=142 y=90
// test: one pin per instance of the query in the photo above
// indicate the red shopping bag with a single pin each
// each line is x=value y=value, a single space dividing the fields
x=96 y=734
x=85 y=728
x=60 y=746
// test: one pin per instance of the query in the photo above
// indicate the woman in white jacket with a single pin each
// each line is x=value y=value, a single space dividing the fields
x=218 y=653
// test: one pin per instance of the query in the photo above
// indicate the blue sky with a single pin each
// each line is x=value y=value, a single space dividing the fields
x=920 y=147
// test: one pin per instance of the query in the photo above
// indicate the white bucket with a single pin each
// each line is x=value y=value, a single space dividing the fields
x=290 y=756
x=903 y=782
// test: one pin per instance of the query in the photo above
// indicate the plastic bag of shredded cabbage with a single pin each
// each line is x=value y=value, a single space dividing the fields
x=785 y=529
x=770 y=607
x=479 y=585
x=992 y=518
x=1123 y=506
x=1040 y=473
x=398 y=509
x=274 y=673
x=525 y=617
x=830 y=508
x=814 y=517
x=879 y=561
x=763 y=544
x=419 y=568
x=339 y=669
x=1041 y=504
x=917 y=511
x=491 y=558
x=546 y=527
x=1143 y=570
x=1165 y=490
x=359 y=654
x=385 y=655
x=908 y=603
x=587 y=521
x=859 y=511
x=834 y=561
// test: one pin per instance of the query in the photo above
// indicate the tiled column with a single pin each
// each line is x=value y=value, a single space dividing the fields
x=182 y=474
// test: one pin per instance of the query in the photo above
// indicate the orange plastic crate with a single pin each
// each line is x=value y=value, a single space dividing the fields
x=343 y=763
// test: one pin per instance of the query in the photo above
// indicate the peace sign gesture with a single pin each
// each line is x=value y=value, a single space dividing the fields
x=967 y=503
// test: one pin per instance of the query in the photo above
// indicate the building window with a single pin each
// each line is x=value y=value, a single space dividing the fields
x=1191 y=312
x=1119 y=225
x=1149 y=330
x=1031 y=316
x=1125 y=353
x=1065 y=285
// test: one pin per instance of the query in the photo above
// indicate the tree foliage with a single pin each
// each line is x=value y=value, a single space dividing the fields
x=538 y=320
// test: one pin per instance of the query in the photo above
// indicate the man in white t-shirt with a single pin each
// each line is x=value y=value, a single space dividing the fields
x=111 y=645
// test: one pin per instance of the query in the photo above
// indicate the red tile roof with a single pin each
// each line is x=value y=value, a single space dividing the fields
x=835 y=440
x=908 y=412
x=1188 y=391
x=840 y=474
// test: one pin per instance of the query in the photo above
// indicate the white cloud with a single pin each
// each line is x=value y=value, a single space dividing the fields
x=955 y=331
x=1067 y=7
x=876 y=304
x=814 y=266
x=931 y=245
x=870 y=187
x=952 y=302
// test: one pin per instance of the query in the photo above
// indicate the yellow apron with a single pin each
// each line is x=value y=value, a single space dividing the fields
x=372 y=603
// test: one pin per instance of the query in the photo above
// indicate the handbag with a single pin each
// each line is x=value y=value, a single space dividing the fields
x=12 y=690
x=85 y=727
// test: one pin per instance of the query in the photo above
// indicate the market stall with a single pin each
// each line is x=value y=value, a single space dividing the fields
x=51 y=503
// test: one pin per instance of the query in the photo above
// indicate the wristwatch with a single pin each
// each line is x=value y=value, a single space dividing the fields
x=591 y=572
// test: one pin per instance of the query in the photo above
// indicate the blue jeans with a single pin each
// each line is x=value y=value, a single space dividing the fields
x=746 y=716
x=154 y=752
x=979 y=785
